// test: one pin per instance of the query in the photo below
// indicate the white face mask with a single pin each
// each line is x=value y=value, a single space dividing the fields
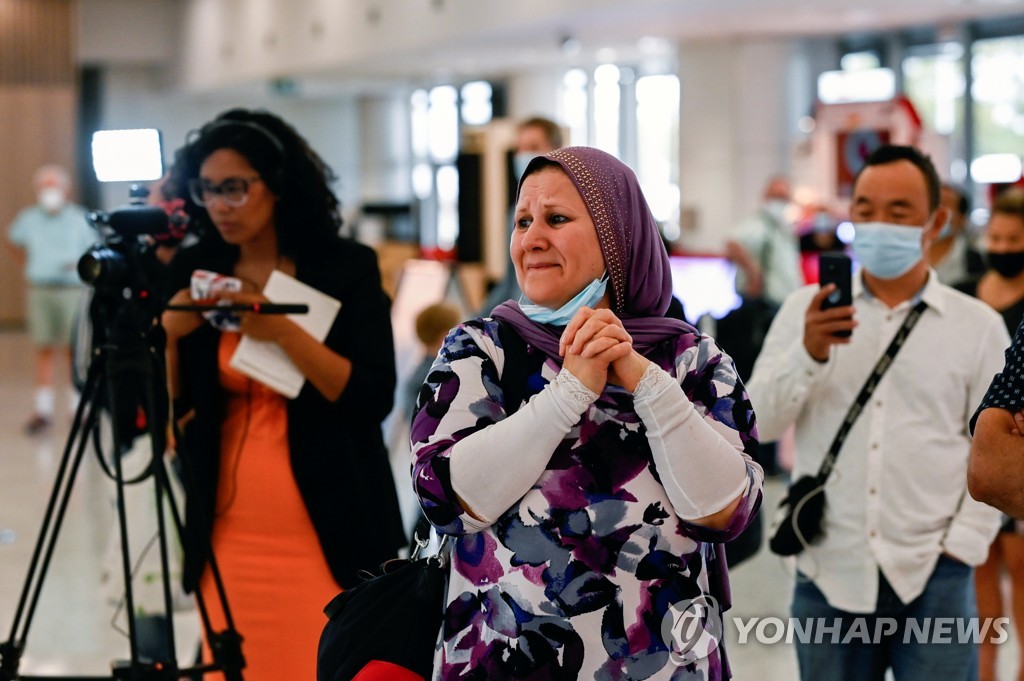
x=51 y=199
x=521 y=160
x=776 y=208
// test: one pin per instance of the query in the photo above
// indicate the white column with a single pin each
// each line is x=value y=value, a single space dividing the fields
x=385 y=152
x=385 y=146
x=736 y=130
x=535 y=94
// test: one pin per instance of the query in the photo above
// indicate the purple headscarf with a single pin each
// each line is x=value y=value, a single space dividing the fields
x=640 y=280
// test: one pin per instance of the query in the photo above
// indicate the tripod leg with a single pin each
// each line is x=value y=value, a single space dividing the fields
x=74 y=451
x=156 y=411
x=113 y=403
x=226 y=645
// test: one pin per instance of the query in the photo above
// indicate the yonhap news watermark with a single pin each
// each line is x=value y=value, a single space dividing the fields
x=870 y=630
x=695 y=628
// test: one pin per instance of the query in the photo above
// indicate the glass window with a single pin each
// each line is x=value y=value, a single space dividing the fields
x=476 y=103
x=435 y=144
x=447 y=206
x=860 y=61
x=933 y=79
x=422 y=180
x=867 y=85
x=657 y=122
x=420 y=103
x=443 y=116
x=998 y=96
x=574 y=105
x=606 y=108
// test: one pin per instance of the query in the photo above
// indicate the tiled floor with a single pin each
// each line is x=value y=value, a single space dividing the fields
x=72 y=631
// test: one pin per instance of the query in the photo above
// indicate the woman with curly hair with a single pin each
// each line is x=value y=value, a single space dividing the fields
x=293 y=495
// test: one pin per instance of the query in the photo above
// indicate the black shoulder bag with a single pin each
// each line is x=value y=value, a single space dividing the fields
x=389 y=624
x=799 y=515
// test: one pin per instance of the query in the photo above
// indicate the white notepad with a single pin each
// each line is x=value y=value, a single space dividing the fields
x=265 y=361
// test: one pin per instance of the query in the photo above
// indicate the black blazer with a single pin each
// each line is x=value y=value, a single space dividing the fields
x=337 y=450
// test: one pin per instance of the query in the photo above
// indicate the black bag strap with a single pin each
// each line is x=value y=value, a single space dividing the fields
x=867 y=389
x=515 y=372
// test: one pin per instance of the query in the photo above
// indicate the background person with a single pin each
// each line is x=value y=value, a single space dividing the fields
x=766 y=250
x=818 y=235
x=534 y=136
x=766 y=253
x=952 y=255
x=579 y=519
x=432 y=325
x=48 y=239
x=900 y=535
x=296 y=494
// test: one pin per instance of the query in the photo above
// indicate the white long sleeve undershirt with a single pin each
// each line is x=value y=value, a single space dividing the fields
x=518 y=446
x=701 y=471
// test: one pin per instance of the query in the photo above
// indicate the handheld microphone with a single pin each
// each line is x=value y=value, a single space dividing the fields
x=258 y=308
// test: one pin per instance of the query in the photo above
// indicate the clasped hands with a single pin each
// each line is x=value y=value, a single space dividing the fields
x=598 y=351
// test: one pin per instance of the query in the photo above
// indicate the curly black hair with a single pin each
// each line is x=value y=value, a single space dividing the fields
x=306 y=215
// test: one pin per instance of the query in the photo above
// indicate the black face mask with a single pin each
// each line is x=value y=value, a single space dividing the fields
x=1008 y=265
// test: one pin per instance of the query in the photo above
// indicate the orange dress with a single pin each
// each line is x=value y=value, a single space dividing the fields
x=274 y=571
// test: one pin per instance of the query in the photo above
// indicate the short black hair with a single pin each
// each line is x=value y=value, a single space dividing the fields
x=890 y=153
x=963 y=202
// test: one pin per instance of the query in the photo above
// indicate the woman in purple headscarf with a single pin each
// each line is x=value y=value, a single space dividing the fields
x=587 y=454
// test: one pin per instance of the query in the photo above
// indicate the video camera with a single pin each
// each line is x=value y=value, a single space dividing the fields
x=129 y=282
x=129 y=234
x=127 y=276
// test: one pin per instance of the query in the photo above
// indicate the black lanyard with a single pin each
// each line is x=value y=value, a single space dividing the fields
x=869 y=386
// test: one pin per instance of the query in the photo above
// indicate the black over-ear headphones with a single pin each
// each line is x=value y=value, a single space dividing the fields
x=277 y=179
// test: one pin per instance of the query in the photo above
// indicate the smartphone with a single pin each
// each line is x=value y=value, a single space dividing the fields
x=836 y=268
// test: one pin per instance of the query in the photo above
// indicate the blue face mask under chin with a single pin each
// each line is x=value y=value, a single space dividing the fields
x=588 y=297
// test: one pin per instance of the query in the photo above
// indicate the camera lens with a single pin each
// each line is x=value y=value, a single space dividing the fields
x=102 y=267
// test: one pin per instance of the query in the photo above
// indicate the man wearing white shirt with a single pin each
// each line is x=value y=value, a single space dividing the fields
x=900 y=531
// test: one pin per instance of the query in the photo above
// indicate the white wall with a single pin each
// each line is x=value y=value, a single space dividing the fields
x=739 y=107
x=128 y=31
x=535 y=94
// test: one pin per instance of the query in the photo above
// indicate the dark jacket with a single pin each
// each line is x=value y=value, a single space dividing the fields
x=337 y=449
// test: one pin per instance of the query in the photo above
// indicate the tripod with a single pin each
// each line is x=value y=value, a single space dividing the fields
x=126 y=373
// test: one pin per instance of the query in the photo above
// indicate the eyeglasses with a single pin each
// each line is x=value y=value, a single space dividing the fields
x=233 y=191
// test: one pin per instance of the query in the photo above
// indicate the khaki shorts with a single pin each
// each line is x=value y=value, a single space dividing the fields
x=51 y=313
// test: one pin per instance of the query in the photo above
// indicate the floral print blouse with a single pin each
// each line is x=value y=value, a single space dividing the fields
x=585 y=576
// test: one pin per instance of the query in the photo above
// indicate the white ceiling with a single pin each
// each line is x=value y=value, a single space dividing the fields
x=358 y=44
x=634 y=29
